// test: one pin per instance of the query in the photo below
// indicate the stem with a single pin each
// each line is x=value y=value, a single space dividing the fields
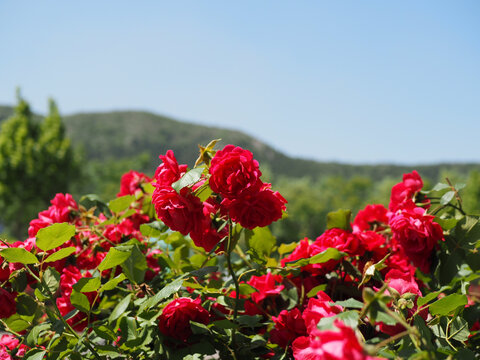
x=235 y=281
x=390 y=339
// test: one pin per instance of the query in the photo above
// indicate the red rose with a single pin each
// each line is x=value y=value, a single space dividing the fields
x=417 y=234
x=339 y=239
x=58 y=212
x=256 y=209
x=169 y=172
x=4 y=270
x=288 y=326
x=403 y=193
x=234 y=172
x=131 y=182
x=206 y=235
x=266 y=285
x=180 y=212
x=319 y=308
x=176 y=317
x=373 y=217
x=8 y=307
x=330 y=345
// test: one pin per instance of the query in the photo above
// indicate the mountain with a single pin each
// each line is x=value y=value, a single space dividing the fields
x=122 y=135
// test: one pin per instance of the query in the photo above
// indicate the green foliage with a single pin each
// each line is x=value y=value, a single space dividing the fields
x=36 y=161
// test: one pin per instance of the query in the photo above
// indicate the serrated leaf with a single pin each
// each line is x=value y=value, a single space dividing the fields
x=18 y=255
x=448 y=304
x=52 y=279
x=113 y=258
x=262 y=241
x=87 y=284
x=350 y=303
x=339 y=219
x=135 y=266
x=25 y=305
x=246 y=289
x=60 y=254
x=164 y=293
x=120 y=308
x=122 y=203
x=54 y=236
x=112 y=284
x=80 y=301
x=189 y=178
x=447 y=197
x=326 y=255
x=105 y=333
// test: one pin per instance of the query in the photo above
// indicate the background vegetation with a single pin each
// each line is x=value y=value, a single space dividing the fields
x=112 y=143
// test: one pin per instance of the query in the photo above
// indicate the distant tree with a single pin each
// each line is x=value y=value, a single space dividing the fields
x=36 y=162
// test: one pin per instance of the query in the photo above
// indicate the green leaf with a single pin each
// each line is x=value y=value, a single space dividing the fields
x=135 y=266
x=246 y=289
x=204 y=192
x=113 y=258
x=54 y=236
x=448 y=304
x=87 y=284
x=25 y=305
x=34 y=354
x=349 y=318
x=166 y=291
x=189 y=178
x=339 y=219
x=286 y=248
x=149 y=231
x=32 y=337
x=203 y=271
x=316 y=289
x=440 y=186
x=111 y=284
x=18 y=255
x=94 y=200
x=52 y=279
x=120 y=308
x=326 y=255
x=350 y=303
x=199 y=328
x=105 y=333
x=459 y=329
x=80 y=301
x=122 y=203
x=19 y=322
x=447 y=197
x=262 y=241
x=60 y=254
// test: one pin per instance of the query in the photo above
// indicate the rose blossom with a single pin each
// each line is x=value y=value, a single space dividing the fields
x=288 y=326
x=417 y=234
x=8 y=307
x=131 y=182
x=330 y=345
x=403 y=193
x=256 y=209
x=169 y=171
x=319 y=308
x=180 y=212
x=234 y=171
x=176 y=317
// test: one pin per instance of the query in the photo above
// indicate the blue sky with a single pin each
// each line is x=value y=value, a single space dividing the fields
x=349 y=81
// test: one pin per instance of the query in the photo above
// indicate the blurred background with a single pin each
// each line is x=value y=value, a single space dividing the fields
x=336 y=100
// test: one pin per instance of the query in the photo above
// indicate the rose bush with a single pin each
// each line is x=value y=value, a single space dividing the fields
x=183 y=266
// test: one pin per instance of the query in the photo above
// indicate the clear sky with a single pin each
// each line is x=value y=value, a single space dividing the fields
x=351 y=81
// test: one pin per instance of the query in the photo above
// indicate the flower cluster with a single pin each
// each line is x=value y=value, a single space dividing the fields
x=153 y=273
x=237 y=193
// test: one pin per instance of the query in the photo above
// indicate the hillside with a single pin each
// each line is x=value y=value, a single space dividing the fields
x=126 y=134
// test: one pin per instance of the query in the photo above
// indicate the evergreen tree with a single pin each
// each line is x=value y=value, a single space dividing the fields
x=36 y=162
